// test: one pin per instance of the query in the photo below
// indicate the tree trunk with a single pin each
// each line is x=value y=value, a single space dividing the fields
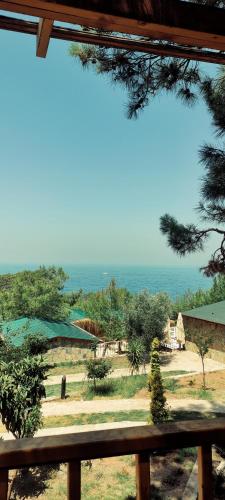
x=203 y=374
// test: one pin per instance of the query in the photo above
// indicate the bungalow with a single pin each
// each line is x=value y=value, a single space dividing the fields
x=207 y=320
x=58 y=333
x=79 y=318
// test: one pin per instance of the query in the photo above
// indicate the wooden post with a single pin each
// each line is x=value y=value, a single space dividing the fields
x=43 y=36
x=143 y=476
x=74 y=480
x=205 y=482
x=63 y=387
x=4 y=477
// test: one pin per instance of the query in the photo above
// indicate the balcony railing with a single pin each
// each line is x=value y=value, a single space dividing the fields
x=141 y=441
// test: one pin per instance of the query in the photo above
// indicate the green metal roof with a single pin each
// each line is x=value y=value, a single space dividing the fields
x=19 y=328
x=77 y=315
x=213 y=312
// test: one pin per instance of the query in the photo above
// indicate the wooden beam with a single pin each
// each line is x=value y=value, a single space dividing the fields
x=43 y=36
x=27 y=452
x=176 y=21
x=68 y=34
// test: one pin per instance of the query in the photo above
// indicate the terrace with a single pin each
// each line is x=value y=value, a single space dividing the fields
x=170 y=28
x=141 y=441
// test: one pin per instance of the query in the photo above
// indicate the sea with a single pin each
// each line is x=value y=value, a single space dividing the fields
x=173 y=280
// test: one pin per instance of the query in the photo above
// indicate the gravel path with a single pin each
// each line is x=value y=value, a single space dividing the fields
x=114 y=405
x=177 y=360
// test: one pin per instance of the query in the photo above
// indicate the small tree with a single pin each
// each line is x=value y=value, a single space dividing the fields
x=98 y=369
x=158 y=407
x=203 y=344
x=135 y=354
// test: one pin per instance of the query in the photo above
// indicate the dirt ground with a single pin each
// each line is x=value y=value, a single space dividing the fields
x=187 y=360
x=214 y=380
x=102 y=478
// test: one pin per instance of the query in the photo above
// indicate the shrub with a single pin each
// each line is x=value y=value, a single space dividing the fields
x=135 y=354
x=159 y=412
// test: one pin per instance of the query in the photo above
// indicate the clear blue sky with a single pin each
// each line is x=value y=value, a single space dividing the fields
x=79 y=182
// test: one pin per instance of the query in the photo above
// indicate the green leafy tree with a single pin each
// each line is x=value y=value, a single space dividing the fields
x=21 y=391
x=190 y=300
x=71 y=298
x=35 y=294
x=147 y=316
x=135 y=354
x=21 y=388
x=98 y=369
x=158 y=408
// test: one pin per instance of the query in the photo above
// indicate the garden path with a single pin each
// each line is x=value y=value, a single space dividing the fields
x=60 y=408
x=176 y=360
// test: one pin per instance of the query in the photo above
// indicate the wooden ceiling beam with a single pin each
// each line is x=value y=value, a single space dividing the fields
x=43 y=36
x=68 y=34
x=175 y=21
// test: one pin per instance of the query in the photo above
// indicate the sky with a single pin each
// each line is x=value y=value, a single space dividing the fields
x=80 y=183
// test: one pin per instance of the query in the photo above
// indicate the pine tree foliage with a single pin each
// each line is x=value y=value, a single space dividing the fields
x=143 y=75
x=185 y=239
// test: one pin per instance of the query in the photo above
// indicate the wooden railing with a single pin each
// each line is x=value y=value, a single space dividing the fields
x=141 y=441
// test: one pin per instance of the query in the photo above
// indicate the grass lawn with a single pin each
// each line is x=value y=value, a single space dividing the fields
x=121 y=416
x=123 y=387
x=136 y=386
x=96 y=418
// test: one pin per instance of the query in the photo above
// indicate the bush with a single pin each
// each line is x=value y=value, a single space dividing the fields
x=34 y=344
